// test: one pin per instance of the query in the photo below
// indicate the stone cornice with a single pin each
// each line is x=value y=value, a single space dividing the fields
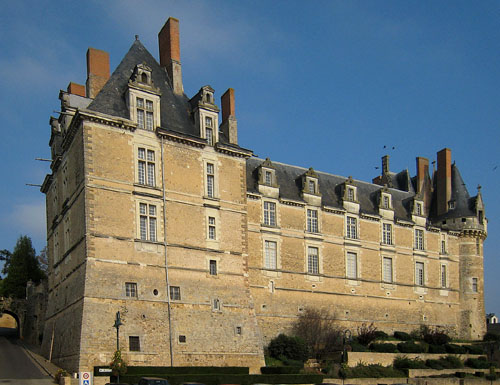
x=180 y=138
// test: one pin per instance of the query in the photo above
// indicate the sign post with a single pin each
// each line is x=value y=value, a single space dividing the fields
x=85 y=378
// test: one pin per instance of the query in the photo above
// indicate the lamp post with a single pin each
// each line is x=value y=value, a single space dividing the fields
x=118 y=323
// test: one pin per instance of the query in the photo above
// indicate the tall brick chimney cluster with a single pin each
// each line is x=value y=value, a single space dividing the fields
x=170 y=53
x=229 y=125
x=97 y=71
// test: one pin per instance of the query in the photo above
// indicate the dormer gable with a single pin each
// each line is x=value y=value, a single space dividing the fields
x=350 y=196
x=310 y=187
x=418 y=213
x=206 y=114
x=143 y=98
x=267 y=180
x=385 y=203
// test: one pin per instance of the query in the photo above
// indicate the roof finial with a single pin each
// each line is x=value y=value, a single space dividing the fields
x=479 y=188
x=136 y=37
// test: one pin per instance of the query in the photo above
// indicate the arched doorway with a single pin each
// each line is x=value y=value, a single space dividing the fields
x=9 y=324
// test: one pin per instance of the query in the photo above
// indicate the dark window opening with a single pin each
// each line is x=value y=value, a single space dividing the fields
x=134 y=344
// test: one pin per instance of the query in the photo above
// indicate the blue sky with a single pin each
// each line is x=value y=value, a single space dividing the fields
x=320 y=83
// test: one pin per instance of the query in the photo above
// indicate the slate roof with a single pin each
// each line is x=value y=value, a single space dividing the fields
x=175 y=109
x=330 y=186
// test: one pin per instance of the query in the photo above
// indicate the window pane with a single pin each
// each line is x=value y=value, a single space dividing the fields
x=209 y=134
x=152 y=229
x=419 y=273
x=140 y=103
x=387 y=270
x=141 y=153
x=213 y=267
x=140 y=118
x=142 y=208
x=144 y=228
x=134 y=344
x=270 y=255
x=352 y=267
x=210 y=186
x=141 y=172
x=149 y=120
x=151 y=174
x=151 y=156
x=443 y=275
x=312 y=260
x=149 y=105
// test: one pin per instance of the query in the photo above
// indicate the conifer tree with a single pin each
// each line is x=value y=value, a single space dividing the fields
x=22 y=267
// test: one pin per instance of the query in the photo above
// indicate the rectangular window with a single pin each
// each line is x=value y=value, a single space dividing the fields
x=350 y=194
x=210 y=180
x=269 y=178
x=140 y=113
x=419 y=239
x=352 y=266
x=149 y=115
x=270 y=255
x=213 y=267
x=145 y=117
x=131 y=289
x=270 y=213
x=444 y=283
x=134 y=344
x=182 y=339
x=351 y=228
x=312 y=260
x=312 y=221
x=216 y=304
x=418 y=208
x=443 y=244
x=147 y=218
x=474 y=285
x=419 y=274
x=312 y=187
x=211 y=228
x=210 y=136
x=146 y=167
x=387 y=269
x=175 y=293
x=387 y=233
x=386 y=201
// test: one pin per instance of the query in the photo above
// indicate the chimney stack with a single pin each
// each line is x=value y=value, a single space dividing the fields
x=385 y=164
x=443 y=180
x=76 y=89
x=97 y=71
x=170 y=53
x=229 y=125
x=422 y=172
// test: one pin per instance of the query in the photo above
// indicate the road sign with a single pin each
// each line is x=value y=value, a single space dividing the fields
x=85 y=378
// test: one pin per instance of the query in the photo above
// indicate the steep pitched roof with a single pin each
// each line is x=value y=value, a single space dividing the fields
x=330 y=186
x=175 y=109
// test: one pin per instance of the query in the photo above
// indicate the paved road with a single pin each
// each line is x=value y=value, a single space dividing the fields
x=16 y=367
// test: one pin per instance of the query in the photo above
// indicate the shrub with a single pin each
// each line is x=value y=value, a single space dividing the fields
x=383 y=348
x=357 y=347
x=455 y=349
x=434 y=336
x=479 y=374
x=491 y=337
x=402 y=362
x=437 y=349
x=491 y=376
x=60 y=373
x=402 y=336
x=281 y=369
x=380 y=335
x=460 y=374
x=476 y=363
x=291 y=348
x=434 y=364
x=474 y=349
x=410 y=347
x=372 y=371
x=451 y=362
x=366 y=334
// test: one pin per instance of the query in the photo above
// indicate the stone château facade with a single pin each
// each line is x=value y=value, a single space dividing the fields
x=156 y=211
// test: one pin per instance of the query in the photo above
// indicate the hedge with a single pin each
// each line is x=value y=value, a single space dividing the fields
x=455 y=349
x=478 y=363
x=474 y=349
x=281 y=369
x=216 y=379
x=383 y=348
x=410 y=347
x=373 y=371
x=168 y=370
x=408 y=363
x=402 y=336
x=435 y=349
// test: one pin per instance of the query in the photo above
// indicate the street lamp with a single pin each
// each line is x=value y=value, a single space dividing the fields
x=118 y=323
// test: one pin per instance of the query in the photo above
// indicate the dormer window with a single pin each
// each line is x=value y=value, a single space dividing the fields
x=350 y=194
x=209 y=133
x=144 y=78
x=451 y=205
x=386 y=202
x=145 y=117
x=268 y=178
x=312 y=187
x=418 y=208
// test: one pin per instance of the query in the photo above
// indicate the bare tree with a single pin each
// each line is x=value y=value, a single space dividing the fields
x=317 y=328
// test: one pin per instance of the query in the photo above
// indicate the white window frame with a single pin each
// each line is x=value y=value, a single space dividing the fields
x=387 y=233
x=210 y=186
x=268 y=177
x=351 y=227
x=148 y=221
x=419 y=239
x=145 y=114
x=351 y=266
x=313 y=261
x=146 y=166
x=270 y=254
x=419 y=273
x=212 y=267
x=131 y=290
x=419 y=208
x=216 y=304
x=269 y=213
x=351 y=194
x=387 y=269
x=312 y=221
x=211 y=228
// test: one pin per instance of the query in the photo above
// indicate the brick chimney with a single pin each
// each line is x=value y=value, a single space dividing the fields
x=443 y=184
x=76 y=89
x=97 y=71
x=385 y=164
x=229 y=125
x=422 y=172
x=170 y=53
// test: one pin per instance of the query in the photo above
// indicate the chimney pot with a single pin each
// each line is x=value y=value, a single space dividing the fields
x=76 y=89
x=97 y=71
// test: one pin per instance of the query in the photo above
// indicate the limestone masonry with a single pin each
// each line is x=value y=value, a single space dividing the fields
x=154 y=210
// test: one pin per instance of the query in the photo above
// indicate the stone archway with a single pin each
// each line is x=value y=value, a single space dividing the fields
x=18 y=333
